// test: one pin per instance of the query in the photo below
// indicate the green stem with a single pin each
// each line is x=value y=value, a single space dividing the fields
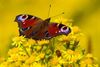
x=25 y=50
x=52 y=44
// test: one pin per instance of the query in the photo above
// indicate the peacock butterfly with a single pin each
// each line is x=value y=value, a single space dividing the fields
x=36 y=28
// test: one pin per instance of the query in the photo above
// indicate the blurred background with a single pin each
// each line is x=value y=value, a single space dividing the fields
x=84 y=13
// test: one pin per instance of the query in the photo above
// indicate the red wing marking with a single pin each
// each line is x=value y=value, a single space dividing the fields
x=53 y=30
x=28 y=23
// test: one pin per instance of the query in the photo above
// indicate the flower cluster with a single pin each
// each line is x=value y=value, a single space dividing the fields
x=60 y=51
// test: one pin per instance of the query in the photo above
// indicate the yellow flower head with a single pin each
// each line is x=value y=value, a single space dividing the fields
x=42 y=55
x=75 y=29
x=89 y=61
x=30 y=42
x=54 y=61
x=36 y=64
x=42 y=42
x=13 y=51
x=72 y=56
x=30 y=60
x=64 y=38
x=70 y=52
x=89 y=56
x=18 y=40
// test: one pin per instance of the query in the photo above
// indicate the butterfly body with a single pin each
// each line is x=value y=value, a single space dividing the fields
x=36 y=28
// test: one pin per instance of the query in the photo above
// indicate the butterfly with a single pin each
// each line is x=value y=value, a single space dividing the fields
x=34 y=27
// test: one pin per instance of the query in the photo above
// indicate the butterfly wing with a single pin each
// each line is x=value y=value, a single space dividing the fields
x=28 y=24
x=55 y=29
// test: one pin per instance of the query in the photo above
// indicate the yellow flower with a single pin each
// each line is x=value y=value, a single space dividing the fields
x=75 y=29
x=36 y=64
x=15 y=54
x=61 y=60
x=88 y=61
x=37 y=58
x=29 y=51
x=72 y=56
x=25 y=65
x=54 y=61
x=30 y=42
x=64 y=38
x=22 y=57
x=70 y=52
x=38 y=47
x=89 y=56
x=42 y=42
x=13 y=57
x=30 y=60
x=18 y=40
x=41 y=55
x=13 y=51
x=17 y=63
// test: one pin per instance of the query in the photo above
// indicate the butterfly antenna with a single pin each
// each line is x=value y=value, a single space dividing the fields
x=58 y=15
x=49 y=10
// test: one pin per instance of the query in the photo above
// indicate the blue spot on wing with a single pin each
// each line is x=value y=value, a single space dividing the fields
x=66 y=30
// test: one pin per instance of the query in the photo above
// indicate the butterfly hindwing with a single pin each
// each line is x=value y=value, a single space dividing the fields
x=56 y=29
